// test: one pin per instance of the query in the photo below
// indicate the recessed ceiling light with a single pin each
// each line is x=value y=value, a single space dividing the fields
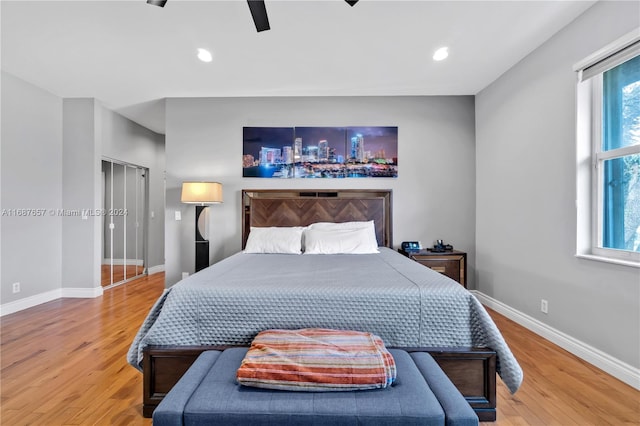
x=441 y=54
x=204 y=55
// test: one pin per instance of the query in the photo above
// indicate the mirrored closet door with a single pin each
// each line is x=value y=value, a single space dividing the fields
x=124 y=222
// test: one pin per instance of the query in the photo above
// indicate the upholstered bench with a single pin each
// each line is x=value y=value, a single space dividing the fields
x=208 y=393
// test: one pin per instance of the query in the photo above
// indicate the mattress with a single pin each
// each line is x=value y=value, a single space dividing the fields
x=387 y=294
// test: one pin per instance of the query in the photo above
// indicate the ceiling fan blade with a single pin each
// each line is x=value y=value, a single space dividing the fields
x=157 y=2
x=259 y=14
x=351 y=2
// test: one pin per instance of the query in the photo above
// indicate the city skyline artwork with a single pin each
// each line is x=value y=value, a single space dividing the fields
x=320 y=152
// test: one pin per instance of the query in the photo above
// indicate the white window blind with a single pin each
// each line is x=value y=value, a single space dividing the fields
x=609 y=57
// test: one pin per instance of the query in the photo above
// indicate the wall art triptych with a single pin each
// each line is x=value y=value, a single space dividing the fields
x=320 y=152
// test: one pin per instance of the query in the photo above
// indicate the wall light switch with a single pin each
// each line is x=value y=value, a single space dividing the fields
x=544 y=306
x=153 y=214
x=178 y=215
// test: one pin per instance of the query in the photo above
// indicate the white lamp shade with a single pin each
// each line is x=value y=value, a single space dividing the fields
x=201 y=193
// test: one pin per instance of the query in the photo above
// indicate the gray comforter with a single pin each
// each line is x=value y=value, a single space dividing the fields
x=387 y=294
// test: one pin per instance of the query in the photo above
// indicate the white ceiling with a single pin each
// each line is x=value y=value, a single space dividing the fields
x=130 y=55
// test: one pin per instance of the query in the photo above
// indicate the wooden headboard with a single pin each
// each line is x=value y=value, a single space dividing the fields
x=300 y=207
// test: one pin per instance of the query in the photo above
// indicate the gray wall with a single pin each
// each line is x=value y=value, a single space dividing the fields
x=526 y=189
x=31 y=169
x=434 y=195
x=81 y=189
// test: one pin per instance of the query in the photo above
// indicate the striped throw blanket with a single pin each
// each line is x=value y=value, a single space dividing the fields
x=315 y=359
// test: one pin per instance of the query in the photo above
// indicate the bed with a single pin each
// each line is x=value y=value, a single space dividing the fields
x=405 y=303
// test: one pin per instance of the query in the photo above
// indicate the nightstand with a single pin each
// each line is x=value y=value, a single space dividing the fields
x=452 y=263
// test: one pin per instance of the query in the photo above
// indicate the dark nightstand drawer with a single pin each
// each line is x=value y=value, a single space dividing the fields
x=450 y=263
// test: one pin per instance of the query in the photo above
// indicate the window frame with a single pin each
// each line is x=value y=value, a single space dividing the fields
x=591 y=158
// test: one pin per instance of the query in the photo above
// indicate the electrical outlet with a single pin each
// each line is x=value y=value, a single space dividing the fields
x=16 y=287
x=185 y=275
x=544 y=306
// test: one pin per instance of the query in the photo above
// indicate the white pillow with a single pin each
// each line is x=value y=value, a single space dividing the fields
x=369 y=238
x=339 y=241
x=343 y=225
x=280 y=240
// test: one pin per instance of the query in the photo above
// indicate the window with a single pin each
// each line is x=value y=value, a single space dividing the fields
x=609 y=153
x=619 y=167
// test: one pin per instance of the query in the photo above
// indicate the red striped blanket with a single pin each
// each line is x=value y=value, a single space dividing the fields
x=317 y=360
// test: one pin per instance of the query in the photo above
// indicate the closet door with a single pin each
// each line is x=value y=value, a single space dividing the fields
x=107 y=225
x=141 y=214
x=124 y=224
x=133 y=215
x=117 y=219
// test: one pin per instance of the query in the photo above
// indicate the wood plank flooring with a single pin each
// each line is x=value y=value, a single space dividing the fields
x=64 y=363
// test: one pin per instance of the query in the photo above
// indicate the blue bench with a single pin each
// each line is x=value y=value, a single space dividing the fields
x=209 y=394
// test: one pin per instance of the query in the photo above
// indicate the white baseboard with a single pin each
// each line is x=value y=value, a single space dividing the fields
x=29 y=302
x=39 y=299
x=82 y=293
x=155 y=269
x=617 y=368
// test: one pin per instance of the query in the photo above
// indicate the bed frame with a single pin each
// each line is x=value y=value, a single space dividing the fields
x=472 y=370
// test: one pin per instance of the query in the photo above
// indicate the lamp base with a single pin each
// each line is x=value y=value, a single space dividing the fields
x=202 y=255
x=202 y=244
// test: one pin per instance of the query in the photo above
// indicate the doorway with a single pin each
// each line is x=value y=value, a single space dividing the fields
x=124 y=225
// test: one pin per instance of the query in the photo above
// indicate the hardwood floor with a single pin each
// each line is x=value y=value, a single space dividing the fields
x=560 y=388
x=64 y=363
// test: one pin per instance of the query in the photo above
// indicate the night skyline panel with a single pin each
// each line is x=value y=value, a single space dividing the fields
x=377 y=138
x=254 y=138
x=335 y=137
x=349 y=152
